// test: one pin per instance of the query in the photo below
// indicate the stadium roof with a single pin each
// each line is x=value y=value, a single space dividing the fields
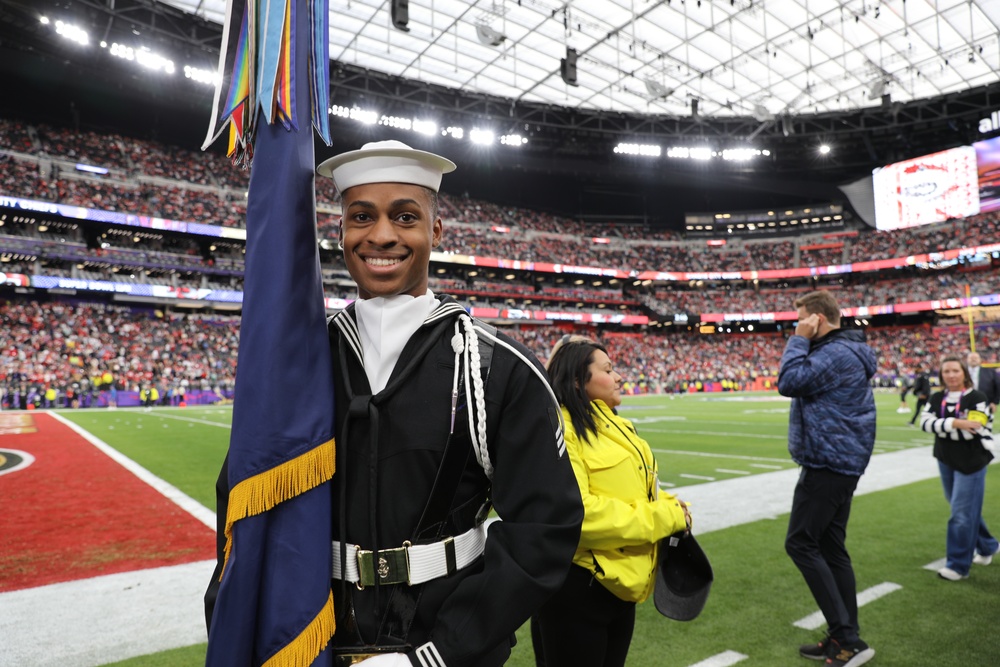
x=441 y=70
x=710 y=58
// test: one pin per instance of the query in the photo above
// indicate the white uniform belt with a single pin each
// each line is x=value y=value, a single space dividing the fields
x=410 y=563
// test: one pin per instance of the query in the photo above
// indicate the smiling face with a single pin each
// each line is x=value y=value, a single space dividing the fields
x=953 y=376
x=604 y=383
x=388 y=230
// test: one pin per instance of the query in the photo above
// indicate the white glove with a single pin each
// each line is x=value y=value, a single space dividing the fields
x=386 y=660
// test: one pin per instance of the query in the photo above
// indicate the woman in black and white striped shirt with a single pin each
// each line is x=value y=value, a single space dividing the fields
x=962 y=424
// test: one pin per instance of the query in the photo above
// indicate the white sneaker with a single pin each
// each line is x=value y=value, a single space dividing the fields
x=980 y=559
x=951 y=575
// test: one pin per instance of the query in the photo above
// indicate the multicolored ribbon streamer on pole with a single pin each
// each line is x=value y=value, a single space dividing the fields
x=255 y=71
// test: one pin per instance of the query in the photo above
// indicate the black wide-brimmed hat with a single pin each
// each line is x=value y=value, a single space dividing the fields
x=683 y=578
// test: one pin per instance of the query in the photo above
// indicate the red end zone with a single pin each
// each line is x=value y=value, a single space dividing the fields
x=74 y=513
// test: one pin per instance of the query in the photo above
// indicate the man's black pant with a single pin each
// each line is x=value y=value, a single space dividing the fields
x=817 y=529
x=921 y=402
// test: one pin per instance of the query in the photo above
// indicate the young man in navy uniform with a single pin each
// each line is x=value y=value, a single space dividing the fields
x=439 y=419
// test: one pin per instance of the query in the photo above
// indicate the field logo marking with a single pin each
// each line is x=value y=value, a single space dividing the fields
x=14 y=424
x=12 y=460
x=815 y=620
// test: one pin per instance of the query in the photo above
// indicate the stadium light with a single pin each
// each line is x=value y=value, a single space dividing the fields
x=824 y=149
x=201 y=75
x=123 y=52
x=481 y=137
x=513 y=140
x=363 y=116
x=453 y=132
x=741 y=154
x=696 y=153
x=645 y=150
x=71 y=32
x=143 y=57
x=396 y=122
x=427 y=127
x=154 y=61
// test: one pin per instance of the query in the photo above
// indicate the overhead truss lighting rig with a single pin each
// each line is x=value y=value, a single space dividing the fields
x=481 y=136
x=138 y=53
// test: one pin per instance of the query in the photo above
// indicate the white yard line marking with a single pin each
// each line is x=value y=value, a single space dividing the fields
x=732 y=472
x=206 y=422
x=725 y=434
x=687 y=476
x=766 y=467
x=723 y=659
x=815 y=621
x=737 y=457
x=742 y=423
x=172 y=493
x=936 y=565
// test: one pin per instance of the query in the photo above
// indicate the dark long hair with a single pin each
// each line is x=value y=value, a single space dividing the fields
x=569 y=373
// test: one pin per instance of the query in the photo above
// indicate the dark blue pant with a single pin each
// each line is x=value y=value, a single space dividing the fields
x=967 y=532
x=583 y=625
x=817 y=529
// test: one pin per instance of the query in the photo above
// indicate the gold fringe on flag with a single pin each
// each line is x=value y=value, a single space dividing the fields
x=301 y=651
x=263 y=491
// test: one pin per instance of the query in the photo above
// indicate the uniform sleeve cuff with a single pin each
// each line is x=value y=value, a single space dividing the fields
x=426 y=655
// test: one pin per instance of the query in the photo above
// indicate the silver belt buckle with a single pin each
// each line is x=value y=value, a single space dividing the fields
x=393 y=566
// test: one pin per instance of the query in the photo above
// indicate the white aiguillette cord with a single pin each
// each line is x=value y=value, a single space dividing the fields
x=467 y=348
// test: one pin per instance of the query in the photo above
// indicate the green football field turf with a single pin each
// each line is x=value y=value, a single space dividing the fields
x=758 y=594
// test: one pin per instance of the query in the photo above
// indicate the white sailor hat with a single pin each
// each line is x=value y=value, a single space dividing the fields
x=386 y=162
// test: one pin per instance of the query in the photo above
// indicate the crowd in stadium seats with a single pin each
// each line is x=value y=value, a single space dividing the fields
x=849 y=295
x=75 y=348
x=81 y=350
x=204 y=187
x=968 y=232
x=84 y=349
x=677 y=362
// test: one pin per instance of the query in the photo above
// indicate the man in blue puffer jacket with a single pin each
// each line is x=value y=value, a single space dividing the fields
x=831 y=431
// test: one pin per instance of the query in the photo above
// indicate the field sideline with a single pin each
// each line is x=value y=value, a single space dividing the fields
x=724 y=453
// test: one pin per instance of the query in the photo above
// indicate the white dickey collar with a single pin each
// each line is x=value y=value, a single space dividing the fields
x=385 y=325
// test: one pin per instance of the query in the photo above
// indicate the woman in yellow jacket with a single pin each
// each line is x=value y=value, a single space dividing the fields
x=590 y=620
